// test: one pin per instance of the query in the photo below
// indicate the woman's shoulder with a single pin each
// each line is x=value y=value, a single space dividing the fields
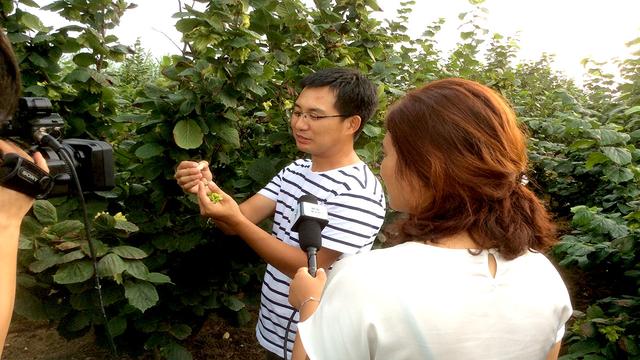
x=370 y=272
x=538 y=268
x=535 y=258
x=387 y=259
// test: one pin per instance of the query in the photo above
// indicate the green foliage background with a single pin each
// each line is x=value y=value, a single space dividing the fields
x=224 y=99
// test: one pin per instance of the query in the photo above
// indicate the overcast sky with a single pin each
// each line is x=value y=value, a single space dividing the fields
x=570 y=29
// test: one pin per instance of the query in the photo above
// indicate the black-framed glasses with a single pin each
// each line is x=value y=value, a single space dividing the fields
x=313 y=117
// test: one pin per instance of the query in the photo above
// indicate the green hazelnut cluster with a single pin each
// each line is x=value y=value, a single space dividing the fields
x=215 y=197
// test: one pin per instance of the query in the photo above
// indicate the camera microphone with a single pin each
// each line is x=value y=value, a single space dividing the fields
x=310 y=219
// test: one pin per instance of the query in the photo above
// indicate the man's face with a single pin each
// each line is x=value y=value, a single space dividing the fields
x=323 y=136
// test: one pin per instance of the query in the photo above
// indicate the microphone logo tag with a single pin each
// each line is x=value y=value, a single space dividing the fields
x=314 y=210
x=309 y=211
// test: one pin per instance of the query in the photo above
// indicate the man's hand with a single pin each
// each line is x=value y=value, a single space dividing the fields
x=190 y=173
x=225 y=210
x=14 y=204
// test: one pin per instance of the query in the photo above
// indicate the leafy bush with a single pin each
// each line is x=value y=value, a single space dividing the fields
x=224 y=99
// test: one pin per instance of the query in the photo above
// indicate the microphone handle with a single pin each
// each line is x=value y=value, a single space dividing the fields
x=312 y=261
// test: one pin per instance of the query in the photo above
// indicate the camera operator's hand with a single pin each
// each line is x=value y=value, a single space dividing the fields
x=13 y=207
x=190 y=173
x=14 y=204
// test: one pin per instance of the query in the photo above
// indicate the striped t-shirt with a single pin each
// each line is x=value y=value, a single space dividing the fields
x=355 y=203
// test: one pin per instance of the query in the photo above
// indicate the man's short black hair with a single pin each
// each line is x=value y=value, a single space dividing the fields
x=355 y=94
x=9 y=78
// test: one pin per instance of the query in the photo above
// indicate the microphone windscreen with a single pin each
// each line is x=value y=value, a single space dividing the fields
x=309 y=227
x=310 y=234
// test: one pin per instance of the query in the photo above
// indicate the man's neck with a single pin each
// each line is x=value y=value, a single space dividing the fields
x=320 y=163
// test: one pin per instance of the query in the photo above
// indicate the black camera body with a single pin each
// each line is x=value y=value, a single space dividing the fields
x=92 y=160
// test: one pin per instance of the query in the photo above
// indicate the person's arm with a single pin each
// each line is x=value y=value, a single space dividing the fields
x=242 y=220
x=286 y=258
x=9 y=234
x=554 y=352
x=13 y=207
x=304 y=294
x=298 y=352
x=190 y=173
x=257 y=208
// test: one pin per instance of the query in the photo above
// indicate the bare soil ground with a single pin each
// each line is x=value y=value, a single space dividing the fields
x=32 y=340
x=37 y=340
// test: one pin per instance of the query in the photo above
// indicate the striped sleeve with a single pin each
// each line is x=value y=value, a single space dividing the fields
x=272 y=189
x=354 y=221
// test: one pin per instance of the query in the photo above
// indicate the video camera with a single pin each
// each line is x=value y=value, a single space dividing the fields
x=37 y=124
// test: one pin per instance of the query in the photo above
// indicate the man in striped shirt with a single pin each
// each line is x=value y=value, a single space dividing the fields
x=329 y=113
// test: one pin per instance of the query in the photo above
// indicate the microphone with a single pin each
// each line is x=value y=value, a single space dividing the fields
x=310 y=219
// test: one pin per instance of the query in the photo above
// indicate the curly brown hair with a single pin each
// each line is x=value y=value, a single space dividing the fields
x=462 y=144
x=9 y=78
